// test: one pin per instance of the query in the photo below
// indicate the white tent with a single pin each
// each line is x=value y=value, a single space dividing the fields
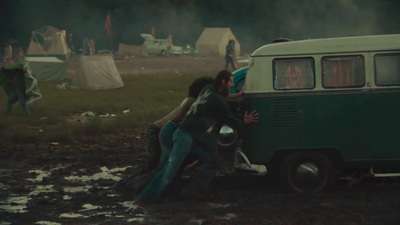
x=48 y=41
x=97 y=72
x=213 y=41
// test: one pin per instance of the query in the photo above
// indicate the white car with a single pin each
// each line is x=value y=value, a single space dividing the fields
x=159 y=46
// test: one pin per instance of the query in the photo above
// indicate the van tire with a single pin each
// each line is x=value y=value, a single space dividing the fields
x=307 y=172
x=163 y=53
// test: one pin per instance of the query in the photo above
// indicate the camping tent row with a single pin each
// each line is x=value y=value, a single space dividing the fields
x=46 y=48
x=93 y=72
x=51 y=41
x=213 y=41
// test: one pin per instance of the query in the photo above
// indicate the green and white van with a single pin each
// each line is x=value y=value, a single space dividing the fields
x=325 y=105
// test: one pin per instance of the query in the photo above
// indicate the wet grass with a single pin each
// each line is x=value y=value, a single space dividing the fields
x=57 y=115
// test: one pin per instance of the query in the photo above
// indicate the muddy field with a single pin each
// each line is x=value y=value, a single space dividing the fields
x=72 y=183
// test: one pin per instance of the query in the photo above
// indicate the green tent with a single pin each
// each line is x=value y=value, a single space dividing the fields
x=48 y=41
x=47 y=68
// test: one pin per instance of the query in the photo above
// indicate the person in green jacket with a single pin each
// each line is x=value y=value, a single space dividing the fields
x=198 y=133
x=12 y=78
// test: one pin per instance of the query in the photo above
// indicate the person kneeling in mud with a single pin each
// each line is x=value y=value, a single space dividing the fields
x=159 y=138
x=198 y=133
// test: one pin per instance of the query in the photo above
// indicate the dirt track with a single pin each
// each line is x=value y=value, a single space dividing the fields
x=58 y=183
x=72 y=184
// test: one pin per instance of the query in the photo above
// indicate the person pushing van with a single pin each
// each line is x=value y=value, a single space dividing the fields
x=198 y=134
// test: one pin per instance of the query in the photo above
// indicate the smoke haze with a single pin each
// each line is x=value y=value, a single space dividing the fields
x=254 y=22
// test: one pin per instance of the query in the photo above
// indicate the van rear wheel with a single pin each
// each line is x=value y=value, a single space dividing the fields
x=307 y=172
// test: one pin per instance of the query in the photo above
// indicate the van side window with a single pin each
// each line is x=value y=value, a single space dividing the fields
x=294 y=74
x=343 y=71
x=387 y=69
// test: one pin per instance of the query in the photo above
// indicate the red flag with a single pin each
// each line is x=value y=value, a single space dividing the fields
x=153 y=32
x=107 y=26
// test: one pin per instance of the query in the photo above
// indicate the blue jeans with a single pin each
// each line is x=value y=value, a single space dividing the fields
x=181 y=147
x=13 y=98
x=166 y=141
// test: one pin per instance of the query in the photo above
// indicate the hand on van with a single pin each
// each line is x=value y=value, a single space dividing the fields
x=251 y=118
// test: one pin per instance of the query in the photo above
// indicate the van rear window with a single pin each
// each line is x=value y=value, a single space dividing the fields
x=343 y=71
x=387 y=69
x=294 y=74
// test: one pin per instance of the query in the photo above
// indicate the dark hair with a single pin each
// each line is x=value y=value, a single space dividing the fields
x=198 y=85
x=222 y=75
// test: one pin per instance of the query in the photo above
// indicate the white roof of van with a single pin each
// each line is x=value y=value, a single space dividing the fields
x=333 y=45
x=147 y=36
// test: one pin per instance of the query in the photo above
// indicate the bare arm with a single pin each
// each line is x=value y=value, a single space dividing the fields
x=184 y=109
x=236 y=96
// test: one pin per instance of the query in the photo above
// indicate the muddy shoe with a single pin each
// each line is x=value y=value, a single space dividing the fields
x=135 y=183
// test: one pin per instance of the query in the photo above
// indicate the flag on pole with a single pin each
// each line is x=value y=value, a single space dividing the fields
x=107 y=26
x=153 y=32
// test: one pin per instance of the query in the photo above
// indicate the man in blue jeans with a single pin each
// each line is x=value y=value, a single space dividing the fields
x=159 y=138
x=198 y=134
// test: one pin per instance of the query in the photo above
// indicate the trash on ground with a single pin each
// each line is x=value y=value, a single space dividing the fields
x=227 y=216
x=62 y=86
x=108 y=115
x=88 y=114
x=218 y=205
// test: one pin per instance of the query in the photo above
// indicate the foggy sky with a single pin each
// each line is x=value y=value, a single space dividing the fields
x=254 y=22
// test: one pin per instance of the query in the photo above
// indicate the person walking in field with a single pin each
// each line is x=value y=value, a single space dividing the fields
x=230 y=56
x=12 y=78
x=169 y=48
x=92 y=46
x=8 y=53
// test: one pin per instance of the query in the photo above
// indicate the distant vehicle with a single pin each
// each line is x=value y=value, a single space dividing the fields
x=189 y=50
x=160 y=46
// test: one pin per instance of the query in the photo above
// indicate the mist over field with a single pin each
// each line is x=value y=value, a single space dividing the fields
x=254 y=22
